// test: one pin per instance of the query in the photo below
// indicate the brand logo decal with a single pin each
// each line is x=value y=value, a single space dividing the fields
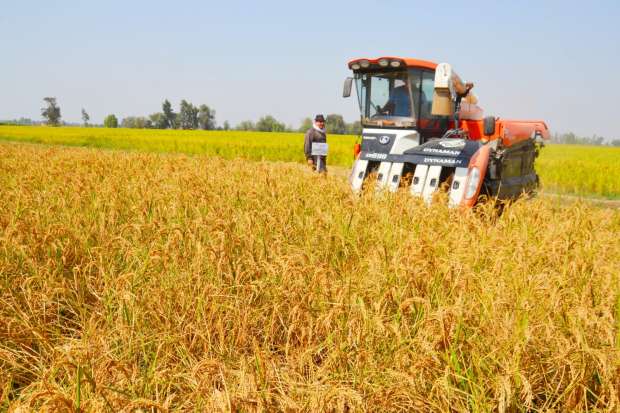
x=443 y=161
x=442 y=151
x=384 y=140
x=376 y=155
x=452 y=143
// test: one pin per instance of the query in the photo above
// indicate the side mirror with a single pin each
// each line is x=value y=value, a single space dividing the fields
x=346 y=90
x=489 y=125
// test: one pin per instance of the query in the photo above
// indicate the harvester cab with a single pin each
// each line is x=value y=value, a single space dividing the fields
x=424 y=131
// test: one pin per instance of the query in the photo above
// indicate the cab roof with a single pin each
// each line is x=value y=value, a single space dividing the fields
x=406 y=61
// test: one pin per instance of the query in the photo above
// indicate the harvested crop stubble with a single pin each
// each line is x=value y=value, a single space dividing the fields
x=166 y=282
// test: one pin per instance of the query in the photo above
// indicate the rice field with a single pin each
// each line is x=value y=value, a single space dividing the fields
x=268 y=146
x=136 y=281
x=581 y=170
x=567 y=169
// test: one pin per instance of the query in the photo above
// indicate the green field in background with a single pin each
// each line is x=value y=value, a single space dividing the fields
x=580 y=170
x=269 y=146
x=571 y=169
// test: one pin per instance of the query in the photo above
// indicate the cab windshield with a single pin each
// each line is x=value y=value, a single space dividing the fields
x=385 y=97
x=400 y=98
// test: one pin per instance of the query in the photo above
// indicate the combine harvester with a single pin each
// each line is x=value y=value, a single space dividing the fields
x=424 y=131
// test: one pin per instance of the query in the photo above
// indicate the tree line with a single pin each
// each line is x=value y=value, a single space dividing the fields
x=188 y=117
x=570 y=138
x=191 y=117
x=203 y=117
x=334 y=124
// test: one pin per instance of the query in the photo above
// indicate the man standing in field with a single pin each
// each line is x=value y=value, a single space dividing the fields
x=316 y=134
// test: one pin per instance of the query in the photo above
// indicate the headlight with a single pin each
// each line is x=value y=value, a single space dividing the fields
x=364 y=63
x=383 y=62
x=472 y=182
x=395 y=63
x=355 y=66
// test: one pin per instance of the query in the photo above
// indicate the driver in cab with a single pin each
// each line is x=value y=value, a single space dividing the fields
x=398 y=103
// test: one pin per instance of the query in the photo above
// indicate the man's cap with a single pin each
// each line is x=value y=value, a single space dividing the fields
x=319 y=118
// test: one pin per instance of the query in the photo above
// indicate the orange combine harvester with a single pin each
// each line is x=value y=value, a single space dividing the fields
x=423 y=130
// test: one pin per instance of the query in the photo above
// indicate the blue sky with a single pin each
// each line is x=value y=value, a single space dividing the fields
x=551 y=60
